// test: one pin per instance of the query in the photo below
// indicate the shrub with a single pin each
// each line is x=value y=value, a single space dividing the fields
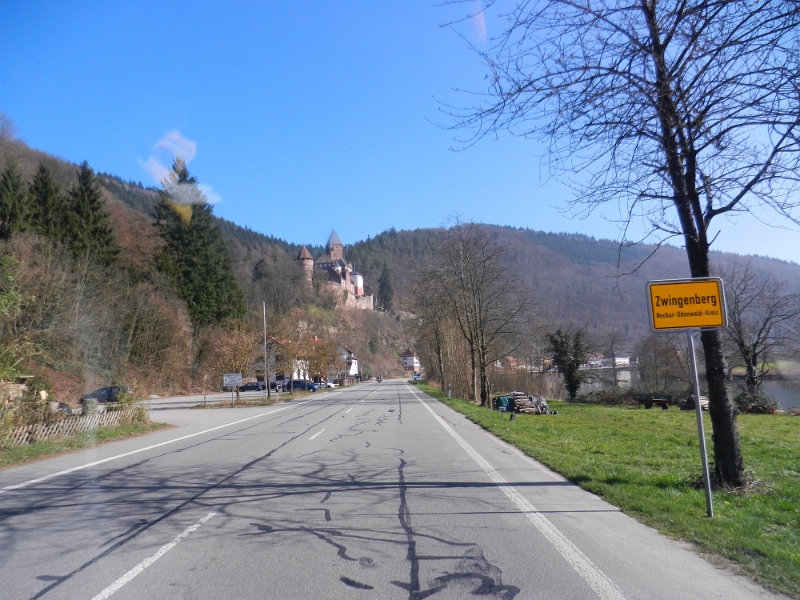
x=747 y=402
x=90 y=406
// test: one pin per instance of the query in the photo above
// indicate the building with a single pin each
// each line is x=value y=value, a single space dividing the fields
x=350 y=362
x=338 y=275
x=410 y=361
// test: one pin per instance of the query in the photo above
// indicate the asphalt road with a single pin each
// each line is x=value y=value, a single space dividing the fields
x=374 y=491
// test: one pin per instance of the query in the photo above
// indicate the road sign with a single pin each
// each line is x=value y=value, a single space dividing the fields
x=688 y=305
x=231 y=380
x=684 y=304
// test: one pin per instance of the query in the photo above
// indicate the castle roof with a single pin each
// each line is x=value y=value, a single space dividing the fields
x=334 y=240
x=304 y=254
x=324 y=259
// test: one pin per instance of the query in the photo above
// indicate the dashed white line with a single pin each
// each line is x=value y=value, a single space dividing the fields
x=316 y=434
x=123 y=455
x=106 y=593
x=348 y=410
x=592 y=575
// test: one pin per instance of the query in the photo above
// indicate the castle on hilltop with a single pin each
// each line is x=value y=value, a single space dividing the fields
x=339 y=276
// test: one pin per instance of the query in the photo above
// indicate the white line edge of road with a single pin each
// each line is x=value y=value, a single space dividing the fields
x=316 y=434
x=24 y=484
x=106 y=593
x=591 y=574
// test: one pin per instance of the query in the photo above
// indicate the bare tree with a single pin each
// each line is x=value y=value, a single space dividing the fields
x=476 y=291
x=762 y=318
x=7 y=133
x=662 y=363
x=678 y=111
x=234 y=347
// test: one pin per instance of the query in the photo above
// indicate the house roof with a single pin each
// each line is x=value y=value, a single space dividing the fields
x=334 y=239
x=408 y=353
x=304 y=254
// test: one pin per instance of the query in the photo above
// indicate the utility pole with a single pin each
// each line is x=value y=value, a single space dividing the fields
x=266 y=371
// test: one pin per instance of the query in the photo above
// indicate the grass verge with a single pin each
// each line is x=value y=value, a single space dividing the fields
x=251 y=402
x=647 y=463
x=17 y=455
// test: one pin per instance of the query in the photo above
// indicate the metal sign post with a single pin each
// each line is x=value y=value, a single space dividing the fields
x=700 y=429
x=690 y=305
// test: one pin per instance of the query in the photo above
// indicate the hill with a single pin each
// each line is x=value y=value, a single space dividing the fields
x=570 y=278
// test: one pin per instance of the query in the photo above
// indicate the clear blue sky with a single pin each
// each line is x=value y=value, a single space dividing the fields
x=306 y=115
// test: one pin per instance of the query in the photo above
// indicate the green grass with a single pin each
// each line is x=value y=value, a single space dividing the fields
x=17 y=455
x=646 y=462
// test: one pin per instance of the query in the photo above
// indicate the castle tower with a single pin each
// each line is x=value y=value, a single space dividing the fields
x=334 y=247
x=307 y=261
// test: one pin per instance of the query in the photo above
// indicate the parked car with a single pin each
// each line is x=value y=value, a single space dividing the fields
x=253 y=386
x=299 y=384
x=278 y=386
x=108 y=394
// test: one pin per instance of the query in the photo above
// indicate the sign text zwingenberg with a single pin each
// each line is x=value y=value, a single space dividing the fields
x=686 y=304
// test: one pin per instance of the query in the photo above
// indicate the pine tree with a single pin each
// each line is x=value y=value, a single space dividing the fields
x=569 y=352
x=90 y=232
x=385 y=289
x=49 y=214
x=195 y=256
x=13 y=202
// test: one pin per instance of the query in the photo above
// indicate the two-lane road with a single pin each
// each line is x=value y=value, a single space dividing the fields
x=369 y=492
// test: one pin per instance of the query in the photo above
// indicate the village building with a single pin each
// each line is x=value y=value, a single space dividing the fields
x=410 y=361
x=338 y=275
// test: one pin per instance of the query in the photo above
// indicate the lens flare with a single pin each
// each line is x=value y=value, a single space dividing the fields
x=159 y=166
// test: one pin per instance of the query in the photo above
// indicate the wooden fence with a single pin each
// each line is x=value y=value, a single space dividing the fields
x=70 y=426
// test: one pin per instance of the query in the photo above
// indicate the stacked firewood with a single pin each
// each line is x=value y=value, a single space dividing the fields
x=530 y=405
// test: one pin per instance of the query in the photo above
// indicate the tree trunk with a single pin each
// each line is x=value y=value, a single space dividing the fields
x=751 y=368
x=728 y=462
x=474 y=365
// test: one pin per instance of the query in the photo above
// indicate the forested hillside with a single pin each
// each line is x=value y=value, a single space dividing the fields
x=570 y=278
x=105 y=281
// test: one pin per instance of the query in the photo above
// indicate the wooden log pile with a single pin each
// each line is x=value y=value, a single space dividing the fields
x=530 y=405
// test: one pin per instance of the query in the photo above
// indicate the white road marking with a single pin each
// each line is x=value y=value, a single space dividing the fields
x=316 y=434
x=106 y=593
x=348 y=410
x=123 y=455
x=594 y=577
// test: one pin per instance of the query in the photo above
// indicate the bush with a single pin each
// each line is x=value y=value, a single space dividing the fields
x=611 y=396
x=90 y=406
x=747 y=402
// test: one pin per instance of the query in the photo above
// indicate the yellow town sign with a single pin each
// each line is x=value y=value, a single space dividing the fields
x=681 y=304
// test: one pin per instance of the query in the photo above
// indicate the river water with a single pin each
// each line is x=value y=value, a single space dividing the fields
x=786 y=392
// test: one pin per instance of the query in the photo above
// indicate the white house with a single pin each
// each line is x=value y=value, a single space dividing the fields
x=349 y=359
x=410 y=361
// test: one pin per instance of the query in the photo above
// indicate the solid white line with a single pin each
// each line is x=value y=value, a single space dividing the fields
x=316 y=434
x=106 y=593
x=594 y=577
x=123 y=455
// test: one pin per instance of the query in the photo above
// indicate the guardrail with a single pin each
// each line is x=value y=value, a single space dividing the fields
x=26 y=434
